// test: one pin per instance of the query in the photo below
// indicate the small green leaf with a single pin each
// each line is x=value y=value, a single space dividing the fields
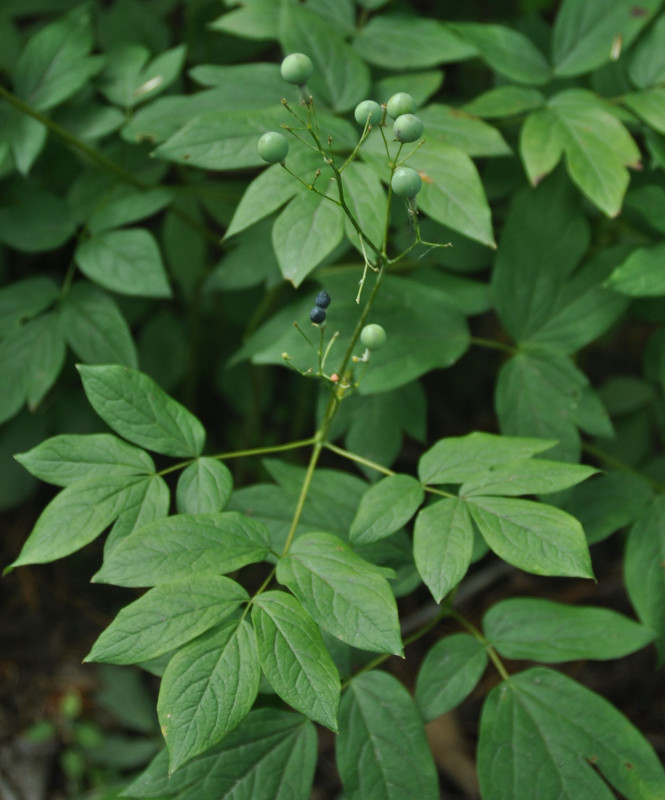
x=649 y=107
x=368 y=204
x=443 y=545
x=24 y=299
x=505 y=101
x=124 y=205
x=135 y=407
x=345 y=594
x=641 y=274
x=532 y=536
x=459 y=458
x=541 y=630
x=204 y=487
x=449 y=673
x=306 y=231
x=95 y=328
x=381 y=748
x=294 y=658
x=271 y=755
x=68 y=458
x=385 y=508
x=572 y=733
x=462 y=129
x=646 y=65
x=185 y=544
x=43 y=338
x=541 y=146
x=167 y=617
x=585 y=33
x=537 y=476
x=56 y=63
x=208 y=688
x=644 y=572
x=33 y=220
x=151 y=503
x=78 y=515
x=126 y=261
x=129 y=79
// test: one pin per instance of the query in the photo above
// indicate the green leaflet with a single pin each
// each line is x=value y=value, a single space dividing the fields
x=381 y=748
x=208 y=688
x=22 y=300
x=137 y=408
x=78 y=515
x=294 y=658
x=443 y=545
x=167 y=617
x=67 y=458
x=571 y=733
x=533 y=536
x=504 y=101
x=182 y=545
x=536 y=476
x=449 y=673
x=271 y=755
x=644 y=573
x=641 y=274
x=459 y=458
x=542 y=630
x=204 y=487
x=150 y=503
x=368 y=204
x=584 y=33
x=646 y=65
x=124 y=261
x=95 y=328
x=33 y=220
x=385 y=508
x=123 y=205
x=345 y=594
x=461 y=129
x=129 y=79
x=412 y=42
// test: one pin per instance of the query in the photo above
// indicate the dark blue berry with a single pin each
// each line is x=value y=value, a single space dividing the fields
x=317 y=315
x=322 y=300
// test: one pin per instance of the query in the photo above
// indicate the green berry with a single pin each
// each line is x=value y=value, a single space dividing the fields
x=273 y=147
x=373 y=336
x=406 y=182
x=408 y=128
x=368 y=108
x=297 y=68
x=400 y=103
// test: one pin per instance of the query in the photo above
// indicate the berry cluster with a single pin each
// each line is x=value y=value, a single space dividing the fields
x=318 y=313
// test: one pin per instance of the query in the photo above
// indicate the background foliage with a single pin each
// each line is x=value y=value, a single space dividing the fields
x=151 y=269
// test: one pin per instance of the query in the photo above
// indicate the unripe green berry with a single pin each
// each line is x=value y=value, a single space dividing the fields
x=368 y=108
x=400 y=103
x=408 y=128
x=373 y=336
x=297 y=68
x=406 y=182
x=273 y=147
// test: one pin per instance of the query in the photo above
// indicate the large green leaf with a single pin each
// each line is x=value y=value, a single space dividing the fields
x=271 y=755
x=641 y=274
x=541 y=630
x=208 y=688
x=648 y=106
x=381 y=749
x=182 y=545
x=68 y=458
x=125 y=261
x=167 y=617
x=443 y=545
x=643 y=569
x=543 y=730
x=345 y=594
x=124 y=205
x=461 y=129
x=385 y=508
x=505 y=101
x=294 y=658
x=537 y=476
x=532 y=536
x=78 y=514
x=449 y=673
x=585 y=34
x=137 y=408
x=32 y=219
x=457 y=459
x=340 y=78
x=507 y=51
x=95 y=328
x=367 y=202
x=409 y=42
x=646 y=65
x=56 y=63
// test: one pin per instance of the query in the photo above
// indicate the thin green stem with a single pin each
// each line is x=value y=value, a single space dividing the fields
x=304 y=490
x=100 y=160
x=438 y=492
x=256 y=451
x=358 y=459
x=618 y=464
x=493 y=344
x=491 y=652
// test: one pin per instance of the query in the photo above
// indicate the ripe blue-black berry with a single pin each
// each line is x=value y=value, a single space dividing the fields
x=322 y=300
x=368 y=108
x=408 y=128
x=400 y=103
x=273 y=147
x=297 y=68
x=406 y=182
x=317 y=315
